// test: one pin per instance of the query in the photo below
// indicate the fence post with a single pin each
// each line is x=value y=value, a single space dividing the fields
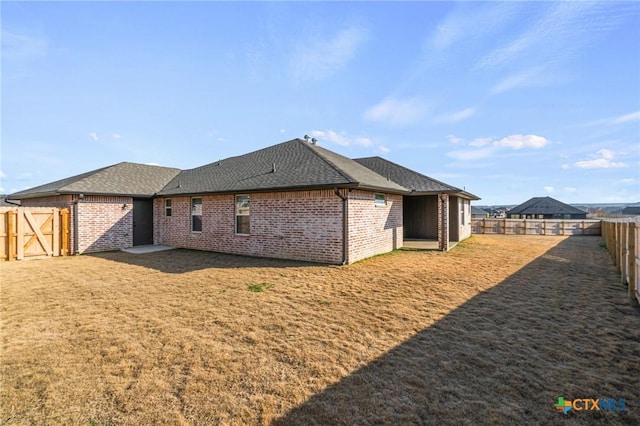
x=624 y=252
x=64 y=232
x=11 y=244
x=633 y=259
x=20 y=233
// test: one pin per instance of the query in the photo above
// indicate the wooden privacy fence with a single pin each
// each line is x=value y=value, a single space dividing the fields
x=535 y=226
x=33 y=232
x=622 y=237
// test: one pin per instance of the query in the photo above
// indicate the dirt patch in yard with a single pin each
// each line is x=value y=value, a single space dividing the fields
x=491 y=332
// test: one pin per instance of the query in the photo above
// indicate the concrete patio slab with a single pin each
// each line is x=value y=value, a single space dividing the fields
x=146 y=249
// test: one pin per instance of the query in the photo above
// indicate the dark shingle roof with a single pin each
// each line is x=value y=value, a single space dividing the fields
x=545 y=205
x=478 y=211
x=124 y=178
x=632 y=209
x=412 y=180
x=297 y=163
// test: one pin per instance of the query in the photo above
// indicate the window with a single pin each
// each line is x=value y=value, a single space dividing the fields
x=196 y=214
x=167 y=207
x=242 y=215
x=380 y=200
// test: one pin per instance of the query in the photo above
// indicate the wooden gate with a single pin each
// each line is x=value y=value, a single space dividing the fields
x=33 y=232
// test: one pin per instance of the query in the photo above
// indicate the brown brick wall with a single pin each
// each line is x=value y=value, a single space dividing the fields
x=104 y=223
x=373 y=229
x=300 y=225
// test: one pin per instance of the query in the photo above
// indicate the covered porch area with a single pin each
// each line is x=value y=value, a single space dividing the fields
x=434 y=221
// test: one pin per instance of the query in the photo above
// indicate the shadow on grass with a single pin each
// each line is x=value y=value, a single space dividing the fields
x=560 y=326
x=178 y=261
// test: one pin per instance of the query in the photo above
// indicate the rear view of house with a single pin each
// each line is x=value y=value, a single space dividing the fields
x=293 y=200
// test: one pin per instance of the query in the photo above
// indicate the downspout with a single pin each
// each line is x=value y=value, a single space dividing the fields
x=444 y=235
x=345 y=224
x=75 y=227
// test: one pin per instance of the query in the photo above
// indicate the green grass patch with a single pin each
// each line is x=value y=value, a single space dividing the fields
x=258 y=288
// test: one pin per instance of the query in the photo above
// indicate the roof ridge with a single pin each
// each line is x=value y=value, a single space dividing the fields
x=329 y=162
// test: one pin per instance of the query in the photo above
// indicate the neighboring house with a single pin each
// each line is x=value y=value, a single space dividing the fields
x=631 y=210
x=478 y=213
x=294 y=200
x=545 y=208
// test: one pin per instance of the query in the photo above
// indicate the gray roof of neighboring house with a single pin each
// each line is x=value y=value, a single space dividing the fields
x=632 y=209
x=545 y=205
x=478 y=211
x=124 y=178
x=295 y=164
x=412 y=180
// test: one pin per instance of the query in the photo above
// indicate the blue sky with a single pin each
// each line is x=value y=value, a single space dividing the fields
x=507 y=100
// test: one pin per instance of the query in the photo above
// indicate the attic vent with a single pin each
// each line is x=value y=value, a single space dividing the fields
x=313 y=140
x=273 y=167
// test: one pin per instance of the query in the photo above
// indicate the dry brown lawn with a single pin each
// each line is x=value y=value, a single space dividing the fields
x=489 y=333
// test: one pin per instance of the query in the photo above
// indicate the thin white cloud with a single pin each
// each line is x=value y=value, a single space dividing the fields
x=522 y=141
x=480 y=141
x=116 y=136
x=462 y=24
x=383 y=149
x=565 y=166
x=282 y=130
x=341 y=138
x=485 y=147
x=457 y=116
x=612 y=121
x=603 y=159
x=550 y=189
x=318 y=59
x=634 y=116
x=18 y=46
x=570 y=189
x=3 y=175
x=94 y=136
x=473 y=154
x=454 y=139
x=567 y=26
x=397 y=112
x=527 y=78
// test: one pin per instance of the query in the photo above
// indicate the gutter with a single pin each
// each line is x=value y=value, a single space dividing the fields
x=345 y=225
x=6 y=200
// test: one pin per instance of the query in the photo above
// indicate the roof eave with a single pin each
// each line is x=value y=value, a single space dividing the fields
x=288 y=188
x=28 y=196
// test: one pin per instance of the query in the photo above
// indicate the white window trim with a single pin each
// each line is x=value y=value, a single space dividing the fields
x=236 y=214
x=168 y=208
x=377 y=202
x=191 y=214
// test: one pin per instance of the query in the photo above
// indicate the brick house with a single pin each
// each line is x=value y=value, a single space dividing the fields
x=293 y=200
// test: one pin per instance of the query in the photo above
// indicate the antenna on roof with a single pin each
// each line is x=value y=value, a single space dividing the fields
x=306 y=138
x=313 y=141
